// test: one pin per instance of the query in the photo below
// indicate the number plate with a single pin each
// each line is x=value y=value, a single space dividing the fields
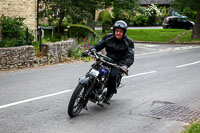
x=94 y=72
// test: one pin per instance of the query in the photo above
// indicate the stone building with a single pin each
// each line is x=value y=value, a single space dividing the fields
x=24 y=8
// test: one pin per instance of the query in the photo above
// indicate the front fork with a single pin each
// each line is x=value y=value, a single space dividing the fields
x=89 y=82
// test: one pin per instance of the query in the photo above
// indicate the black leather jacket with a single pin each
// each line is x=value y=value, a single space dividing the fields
x=121 y=51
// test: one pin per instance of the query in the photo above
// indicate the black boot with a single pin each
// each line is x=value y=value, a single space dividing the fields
x=108 y=98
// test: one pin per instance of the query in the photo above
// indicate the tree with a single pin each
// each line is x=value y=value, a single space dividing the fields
x=88 y=8
x=120 y=6
x=81 y=11
x=77 y=10
x=56 y=10
x=195 y=6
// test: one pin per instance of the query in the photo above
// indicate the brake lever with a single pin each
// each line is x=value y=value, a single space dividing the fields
x=95 y=54
x=124 y=70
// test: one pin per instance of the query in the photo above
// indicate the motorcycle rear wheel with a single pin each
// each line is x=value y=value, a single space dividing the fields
x=77 y=101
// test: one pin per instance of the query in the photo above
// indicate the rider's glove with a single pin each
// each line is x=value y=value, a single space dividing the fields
x=93 y=50
x=85 y=53
x=124 y=67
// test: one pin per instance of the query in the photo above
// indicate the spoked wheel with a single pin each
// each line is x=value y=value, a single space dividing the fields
x=77 y=101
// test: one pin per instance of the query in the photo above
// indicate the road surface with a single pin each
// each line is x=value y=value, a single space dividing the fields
x=161 y=95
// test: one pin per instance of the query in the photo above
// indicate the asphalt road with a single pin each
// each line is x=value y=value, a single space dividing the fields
x=161 y=90
x=144 y=27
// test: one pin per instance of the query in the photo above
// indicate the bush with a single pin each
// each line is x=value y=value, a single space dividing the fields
x=106 y=20
x=105 y=17
x=13 y=32
x=152 y=12
x=80 y=31
x=77 y=49
x=194 y=128
x=140 y=20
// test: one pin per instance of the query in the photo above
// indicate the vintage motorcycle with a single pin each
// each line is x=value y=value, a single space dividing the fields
x=92 y=87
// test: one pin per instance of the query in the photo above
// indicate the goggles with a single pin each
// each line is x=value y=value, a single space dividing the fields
x=120 y=25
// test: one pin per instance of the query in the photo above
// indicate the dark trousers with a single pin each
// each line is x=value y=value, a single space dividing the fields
x=113 y=80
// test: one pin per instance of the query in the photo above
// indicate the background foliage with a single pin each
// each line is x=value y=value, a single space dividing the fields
x=14 y=32
x=80 y=31
x=194 y=6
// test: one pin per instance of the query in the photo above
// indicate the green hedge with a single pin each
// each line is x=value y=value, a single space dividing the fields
x=106 y=20
x=140 y=20
x=105 y=17
x=81 y=31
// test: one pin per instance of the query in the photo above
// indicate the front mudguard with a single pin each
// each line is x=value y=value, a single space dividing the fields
x=84 y=80
x=89 y=83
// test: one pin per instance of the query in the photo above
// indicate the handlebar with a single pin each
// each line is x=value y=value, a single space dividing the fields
x=97 y=57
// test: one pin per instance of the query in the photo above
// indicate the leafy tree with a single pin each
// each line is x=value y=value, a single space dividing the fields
x=192 y=5
x=152 y=12
x=123 y=5
x=88 y=9
x=81 y=11
x=57 y=10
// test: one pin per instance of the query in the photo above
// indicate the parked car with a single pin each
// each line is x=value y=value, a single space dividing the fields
x=177 y=22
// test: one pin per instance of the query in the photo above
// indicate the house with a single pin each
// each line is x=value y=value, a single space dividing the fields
x=158 y=2
x=21 y=8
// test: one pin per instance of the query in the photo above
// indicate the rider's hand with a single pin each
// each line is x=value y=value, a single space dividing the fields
x=125 y=68
x=85 y=53
x=93 y=50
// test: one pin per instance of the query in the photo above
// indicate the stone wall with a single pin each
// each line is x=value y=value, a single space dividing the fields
x=24 y=56
x=23 y=8
x=55 y=52
x=16 y=57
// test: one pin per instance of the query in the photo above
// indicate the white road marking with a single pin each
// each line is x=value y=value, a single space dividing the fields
x=58 y=93
x=33 y=99
x=189 y=64
x=140 y=74
x=151 y=46
x=131 y=76
x=167 y=50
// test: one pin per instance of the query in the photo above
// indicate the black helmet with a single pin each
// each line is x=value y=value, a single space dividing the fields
x=120 y=24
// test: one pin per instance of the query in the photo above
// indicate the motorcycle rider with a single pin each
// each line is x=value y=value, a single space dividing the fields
x=120 y=48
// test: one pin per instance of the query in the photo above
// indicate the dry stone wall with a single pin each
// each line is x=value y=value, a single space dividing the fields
x=24 y=56
x=16 y=57
x=56 y=52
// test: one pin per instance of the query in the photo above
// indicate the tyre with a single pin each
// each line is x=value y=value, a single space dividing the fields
x=191 y=27
x=169 y=27
x=77 y=101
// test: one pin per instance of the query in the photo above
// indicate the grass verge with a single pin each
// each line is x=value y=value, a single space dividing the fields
x=193 y=128
x=187 y=39
x=153 y=35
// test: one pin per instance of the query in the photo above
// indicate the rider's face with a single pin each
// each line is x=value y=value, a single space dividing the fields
x=119 y=33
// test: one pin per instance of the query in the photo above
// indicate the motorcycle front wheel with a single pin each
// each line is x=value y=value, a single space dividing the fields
x=78 y=101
